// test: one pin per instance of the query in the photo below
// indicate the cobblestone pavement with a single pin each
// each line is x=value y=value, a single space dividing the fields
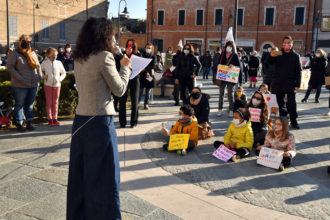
x=302 y=190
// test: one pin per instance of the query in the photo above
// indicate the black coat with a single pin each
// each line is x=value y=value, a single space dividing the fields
x=287 y=74
x=206 y=60
x=185 y=67
x=268 y=70
x=216 y=60
x=318 y=68
x=144 y=83
x=202 y=110
x=234 y=60
x=253 y=63
x=175 y=57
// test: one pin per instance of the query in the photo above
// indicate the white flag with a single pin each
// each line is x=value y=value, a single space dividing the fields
x=230 y=37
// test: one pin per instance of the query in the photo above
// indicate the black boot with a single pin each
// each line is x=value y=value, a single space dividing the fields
x=317 y=101
x=19 y=127
x=29 y=126
x=304 y=100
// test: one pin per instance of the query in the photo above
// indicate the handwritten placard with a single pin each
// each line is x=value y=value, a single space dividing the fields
x=272 y=105
x=138 y=64
x=228 y=74
x=255 y=114
x=305 y=76
x=178 y=142
x=223 y=153
x=270 y=157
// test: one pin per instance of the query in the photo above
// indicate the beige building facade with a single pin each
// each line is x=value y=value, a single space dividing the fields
x=48 y=22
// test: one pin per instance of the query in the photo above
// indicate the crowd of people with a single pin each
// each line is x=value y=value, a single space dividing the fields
x=102 y=73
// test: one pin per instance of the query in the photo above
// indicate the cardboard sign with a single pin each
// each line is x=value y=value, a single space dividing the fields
x=178 y=142
x=255 y=114
x=270 y=157
x=223 y=153
x=228 y=74
x=272 y=105
x=304 y=61
x=305 y=76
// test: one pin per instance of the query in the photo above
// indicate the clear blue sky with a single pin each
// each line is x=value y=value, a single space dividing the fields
x=136 y=8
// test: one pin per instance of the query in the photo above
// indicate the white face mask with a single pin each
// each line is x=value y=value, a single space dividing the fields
x=186 y=51
x=236 y=121
x=255 y=102
x=318 y=55
x=170 y=51
x=68 y=50
x=148 y=51
x=229 y=49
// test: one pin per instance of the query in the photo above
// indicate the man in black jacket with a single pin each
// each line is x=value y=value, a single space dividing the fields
x=176 y=91
x=286 y=79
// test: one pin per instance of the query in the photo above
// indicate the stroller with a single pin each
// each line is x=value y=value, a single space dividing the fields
x=4 y=115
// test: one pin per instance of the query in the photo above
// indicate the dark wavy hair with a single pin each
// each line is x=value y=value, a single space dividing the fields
x=95 y=36
x=263 y=106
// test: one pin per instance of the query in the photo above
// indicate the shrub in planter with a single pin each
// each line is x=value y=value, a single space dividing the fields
x=4 y=75
x=6 y=94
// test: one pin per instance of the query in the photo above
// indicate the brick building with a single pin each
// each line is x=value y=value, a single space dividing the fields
x=260 y=22
x=56 y=22
x=322 y=27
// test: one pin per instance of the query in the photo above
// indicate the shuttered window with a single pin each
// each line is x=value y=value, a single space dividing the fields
x=13 y=26
x=269 y=18
x=218 y=17
x=300 y=16
x=160 y=17
x=45 y=30
x=199 y=17
x=182 y=17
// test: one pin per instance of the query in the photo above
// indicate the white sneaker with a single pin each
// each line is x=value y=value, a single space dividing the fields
x=231 y=114
x=219 y=113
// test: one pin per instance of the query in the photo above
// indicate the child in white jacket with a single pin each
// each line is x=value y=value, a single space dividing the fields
x=54 y=73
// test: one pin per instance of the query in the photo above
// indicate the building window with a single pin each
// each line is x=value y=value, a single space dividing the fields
x=182 y=17
x=270 y=15
x=62 y=30
x=240 y=16
x=199 y=17
x=13 y=26
x=45 y=30
x=325 y=24
x=218 y=16
x=299 y=16
x=160 y=17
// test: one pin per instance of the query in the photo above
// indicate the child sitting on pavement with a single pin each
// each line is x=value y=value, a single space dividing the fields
x=239 y=136
x=264 y=89
x=187 y=124
x=281 y=139
x=240 y=98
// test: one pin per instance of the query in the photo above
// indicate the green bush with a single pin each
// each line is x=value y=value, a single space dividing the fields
x=4 y=75
x=67 y=103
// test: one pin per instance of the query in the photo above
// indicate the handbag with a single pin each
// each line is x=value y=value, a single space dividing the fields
x=327 y=82
x=205 y=131
x=216 y=81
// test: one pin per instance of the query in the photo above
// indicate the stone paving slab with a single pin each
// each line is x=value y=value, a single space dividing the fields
x=53 y=175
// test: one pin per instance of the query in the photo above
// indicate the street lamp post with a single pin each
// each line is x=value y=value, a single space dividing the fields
x=317 y=21
x=124 y=12
x=235 y=20
x=34 y=22
x=7 y=12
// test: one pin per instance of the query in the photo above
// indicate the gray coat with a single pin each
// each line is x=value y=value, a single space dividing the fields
x=96 y=78
x=22 y=75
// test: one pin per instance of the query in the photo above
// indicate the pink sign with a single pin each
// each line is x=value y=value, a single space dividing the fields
x=255 y=114
x=223 y=153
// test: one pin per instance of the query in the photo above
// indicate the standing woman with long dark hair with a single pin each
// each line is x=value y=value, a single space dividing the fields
x=147 y=76
x=134 y=87
x=187 y=68
x=93 y=186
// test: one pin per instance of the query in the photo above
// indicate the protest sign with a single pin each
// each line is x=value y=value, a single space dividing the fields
x=270 y=157
x=304 y=61
x=272 y=105
x=228 y=74
x=223 y=153
x=255 y=114
x=305 y=76
x=138 y=64
x=178 y=142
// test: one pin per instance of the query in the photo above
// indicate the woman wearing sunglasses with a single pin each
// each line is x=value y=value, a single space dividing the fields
x=25 y=72
x=259 y=127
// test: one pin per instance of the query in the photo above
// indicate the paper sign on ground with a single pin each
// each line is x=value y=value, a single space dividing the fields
x=178 y=142
x=272 y=105
x=138 y=64
x=305 y=76
x=223 y=153
x=255 y=114
x=270 y=157
x=228 y=74
x=172 y=68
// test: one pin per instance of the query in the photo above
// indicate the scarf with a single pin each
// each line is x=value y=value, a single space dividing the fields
x=195 y=101
x=27 y=53
x=186 y=121
x=228 y=54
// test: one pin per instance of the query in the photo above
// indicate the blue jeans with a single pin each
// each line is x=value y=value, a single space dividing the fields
x=94 y=173
x=206 y=71
x=146 y=97
x=24 y=99
x=318 y=92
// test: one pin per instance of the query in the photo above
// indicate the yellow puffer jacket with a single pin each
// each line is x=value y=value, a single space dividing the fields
x=243 y=136
x=191 y=129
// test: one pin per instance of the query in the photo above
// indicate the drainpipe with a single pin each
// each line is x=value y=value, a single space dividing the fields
x=306 y=40
x=206 y=15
